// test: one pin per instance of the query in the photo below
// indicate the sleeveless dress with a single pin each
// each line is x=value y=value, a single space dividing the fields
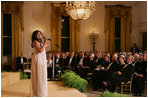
x=39 y=87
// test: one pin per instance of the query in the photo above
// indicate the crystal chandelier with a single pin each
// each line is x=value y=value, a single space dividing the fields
x=80 y=10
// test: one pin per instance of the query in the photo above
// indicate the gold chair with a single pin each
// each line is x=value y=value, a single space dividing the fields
x=27 y=67
x=125 y=86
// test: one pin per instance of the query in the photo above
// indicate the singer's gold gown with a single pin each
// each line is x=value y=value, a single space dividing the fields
x=39 y=86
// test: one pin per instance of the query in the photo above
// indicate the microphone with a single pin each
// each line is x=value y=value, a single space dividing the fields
x=48 y=39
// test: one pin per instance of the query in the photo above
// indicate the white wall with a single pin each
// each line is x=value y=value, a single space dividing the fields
x=139 y=22
x=36 y=17
x=139 y=15
x=96 y=21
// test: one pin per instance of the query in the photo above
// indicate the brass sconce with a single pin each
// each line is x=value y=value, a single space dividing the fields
x=93 y=36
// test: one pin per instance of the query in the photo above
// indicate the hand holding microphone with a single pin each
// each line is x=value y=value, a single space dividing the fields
x=45 y=41
x=47 y=38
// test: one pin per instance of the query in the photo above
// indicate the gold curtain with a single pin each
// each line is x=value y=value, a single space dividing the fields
x=74 y=35
x=15 y=9
x=55 y=26
x=112 y=12
x=57 y=11
x=110 y=42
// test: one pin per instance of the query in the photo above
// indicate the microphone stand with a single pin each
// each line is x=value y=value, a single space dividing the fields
x=52 y=79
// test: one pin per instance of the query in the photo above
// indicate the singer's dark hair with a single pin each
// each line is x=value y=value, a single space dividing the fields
x=34 y=37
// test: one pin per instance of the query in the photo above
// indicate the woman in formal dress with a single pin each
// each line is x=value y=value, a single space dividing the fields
x=122 y=62
x=39 y=86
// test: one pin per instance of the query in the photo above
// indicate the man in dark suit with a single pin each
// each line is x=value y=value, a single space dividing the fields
x=61 y=61
x=139 y=77
x=98 y=75
x=67 y=54
x=88 y=67
x=57 y=66
x=98 y=59
x=58 y=62
x=134 y=49
x=124 y=75
x=137 y=60
x=112 y=67
x=70 y=62
x=80 y=62
x=84 y=67
x=19 y=62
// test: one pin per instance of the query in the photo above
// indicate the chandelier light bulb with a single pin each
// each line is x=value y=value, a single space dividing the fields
x=80 y=10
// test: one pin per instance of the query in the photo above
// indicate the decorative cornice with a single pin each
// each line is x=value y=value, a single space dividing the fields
x=118 y=5
x=12 y=7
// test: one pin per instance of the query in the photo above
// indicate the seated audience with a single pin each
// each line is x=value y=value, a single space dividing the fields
x=67 y=54
x=70 y=62
x=112 y=67
x=106 y=71
x=98 y=59
x=98 y=73
x=57 y=67
x=140 y=76
x=140 y=56
x=123 y=75
x=88 y=67
x=61 y=62
x=80 y=62
x=136 y=60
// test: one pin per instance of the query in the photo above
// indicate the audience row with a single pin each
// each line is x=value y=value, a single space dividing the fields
x=107 y=70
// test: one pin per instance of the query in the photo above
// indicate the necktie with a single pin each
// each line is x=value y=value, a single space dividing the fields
x=70 y=60
x=81 y=61
x=57 y=60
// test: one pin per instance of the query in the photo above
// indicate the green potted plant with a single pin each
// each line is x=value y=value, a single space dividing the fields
x=114 y=94
x=73 y=80
x=23 y=76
